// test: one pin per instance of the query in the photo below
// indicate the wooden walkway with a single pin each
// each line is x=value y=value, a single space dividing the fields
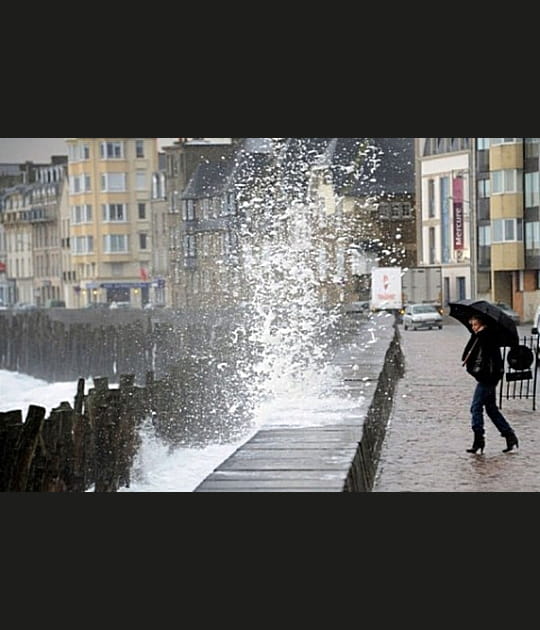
x=320 y=458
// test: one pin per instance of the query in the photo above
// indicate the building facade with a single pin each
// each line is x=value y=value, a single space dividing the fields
x=479 y=217
x=509 y=246
x=110 y=190
x=445 y=222
x=30 y=236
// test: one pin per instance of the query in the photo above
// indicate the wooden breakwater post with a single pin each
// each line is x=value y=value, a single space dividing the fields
x=53 y=461
x=94 y=443
x=161 y=406
x=133 y=412
x=42 y=454
x=115 y=416
x=11 y=423
x=19 y=460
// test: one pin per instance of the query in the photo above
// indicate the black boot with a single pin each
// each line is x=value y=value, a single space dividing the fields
x=478 y=443
x=511 y=441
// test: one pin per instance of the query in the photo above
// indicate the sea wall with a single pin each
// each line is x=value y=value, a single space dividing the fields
x=340 y=456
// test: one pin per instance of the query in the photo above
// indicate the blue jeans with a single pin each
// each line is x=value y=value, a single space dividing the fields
x=485 y=397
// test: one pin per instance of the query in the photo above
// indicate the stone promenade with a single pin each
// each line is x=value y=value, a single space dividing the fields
x=429 y=428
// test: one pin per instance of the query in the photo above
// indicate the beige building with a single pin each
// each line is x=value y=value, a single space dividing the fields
x=110 y=183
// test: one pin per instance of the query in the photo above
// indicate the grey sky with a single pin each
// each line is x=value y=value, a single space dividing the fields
x=41 y=149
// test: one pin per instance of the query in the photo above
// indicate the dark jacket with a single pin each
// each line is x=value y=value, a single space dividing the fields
x=483 y=356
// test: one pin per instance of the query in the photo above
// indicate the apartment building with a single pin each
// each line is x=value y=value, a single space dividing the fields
x=529 y=282
x=479 y=217
x=507 y=173
x=110 y=190
x=30 y=241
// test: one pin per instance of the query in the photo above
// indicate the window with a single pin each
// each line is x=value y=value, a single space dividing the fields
x=113 y=182
x=483 y=188
x=78 y=152
x=507 y=230
x=142 y=210
x=80 y=184
x=432 y=252
x=82 y=245
x=141 y=180
x=189 y=210
x=81 y=214
x=532 y=235
x=506 y=181
x=431 y=198
x=158 y=186
x=115 y=243
x=230 y=242
x=461 y=287
x=111 y=150
x=114 y=212
x=482 y=143
x=381 y=211
x=394 y=211
x=143 y=241
x=445 y=249
x=532 y=146
x=532 y=189
x=230 y=203
x=484 y=235
x=205 y=206
x=190 y=250
x=139 y=148
x=504 y=140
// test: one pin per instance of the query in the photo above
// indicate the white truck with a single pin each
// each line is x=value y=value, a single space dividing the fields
x=422 y=285
x=392 y=288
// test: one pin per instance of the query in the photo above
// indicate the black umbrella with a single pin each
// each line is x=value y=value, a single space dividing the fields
x=499 y=322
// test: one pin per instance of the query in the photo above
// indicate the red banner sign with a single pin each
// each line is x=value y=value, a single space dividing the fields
x=457 y=198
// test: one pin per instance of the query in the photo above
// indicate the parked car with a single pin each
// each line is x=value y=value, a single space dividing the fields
x=362 y=306
x=97 y=305
x=417 y=316
x=509 y=311
x=55 y=304
x=150 y=306
x=25 y=306
x=120 y=305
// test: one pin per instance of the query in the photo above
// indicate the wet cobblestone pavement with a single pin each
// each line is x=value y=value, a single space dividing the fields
x=429 y=430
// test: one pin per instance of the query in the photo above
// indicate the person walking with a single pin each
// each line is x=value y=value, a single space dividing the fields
x=482 y=360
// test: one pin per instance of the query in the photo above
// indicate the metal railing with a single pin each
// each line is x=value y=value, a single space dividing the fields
x=521 y=383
